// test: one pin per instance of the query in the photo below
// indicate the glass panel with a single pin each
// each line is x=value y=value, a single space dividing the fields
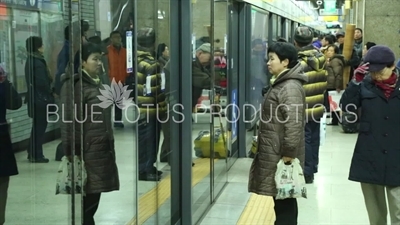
x=202 y=95
x=221 y=95
x=26 y=25
x=232 y=56
x=156 y=123
x=257 y=78
x=6 y=43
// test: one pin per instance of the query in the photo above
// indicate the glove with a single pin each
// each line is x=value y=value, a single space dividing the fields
x=360 y=73
x=265 y=90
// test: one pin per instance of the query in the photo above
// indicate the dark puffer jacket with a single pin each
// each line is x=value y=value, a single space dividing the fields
x=377 y=151
x=281 y=130
x=150 y=68
x=201 y=79
x=97 y=136
x=335 y=72
x=313 y=62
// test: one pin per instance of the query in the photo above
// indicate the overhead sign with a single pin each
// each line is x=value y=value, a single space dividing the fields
x=323 y=12
x=22 y=3
x=129 y=52
x=330 y=6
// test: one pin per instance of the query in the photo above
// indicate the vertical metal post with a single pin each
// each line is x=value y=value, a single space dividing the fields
x=134 y=37
x=212 y=102
x=244 y=22
x=181 y=64
x=71 y=70
x=185 y=12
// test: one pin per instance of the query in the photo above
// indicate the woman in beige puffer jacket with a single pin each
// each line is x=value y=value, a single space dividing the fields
x=281 y=134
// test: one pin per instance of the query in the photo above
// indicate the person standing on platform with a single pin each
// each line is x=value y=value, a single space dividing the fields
x=9 y=100
x=151 y=104
x=281 y=134
x=313 y=62
x=375 y=88
x=117 y=69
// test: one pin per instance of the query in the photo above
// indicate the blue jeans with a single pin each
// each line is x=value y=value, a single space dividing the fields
x=312 y=132
x=149 y=138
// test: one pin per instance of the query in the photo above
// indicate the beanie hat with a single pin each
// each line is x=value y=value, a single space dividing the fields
x=206 y=47
x=340 y=34
x=303 y=35
x=33 y=43
x=146 y=37
x=379 y=57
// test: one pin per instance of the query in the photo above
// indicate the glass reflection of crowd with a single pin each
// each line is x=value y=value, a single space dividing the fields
x=99 y=62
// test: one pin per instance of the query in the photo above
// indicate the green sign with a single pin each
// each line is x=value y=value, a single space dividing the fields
x=330 y=6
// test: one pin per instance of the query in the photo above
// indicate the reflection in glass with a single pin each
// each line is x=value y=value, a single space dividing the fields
x=40 y=94
x=258 y=70
x=95 y=130
x=26 y=24
x=9 y=100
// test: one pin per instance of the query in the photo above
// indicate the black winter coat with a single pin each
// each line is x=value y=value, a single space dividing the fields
x=376 y=157
x=9 y=99
x=38 y=82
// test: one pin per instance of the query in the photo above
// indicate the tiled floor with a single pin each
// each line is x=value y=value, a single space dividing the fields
x=332 y=199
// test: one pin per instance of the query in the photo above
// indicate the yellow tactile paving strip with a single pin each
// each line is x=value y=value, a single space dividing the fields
x=259 y=210
x=156 y=197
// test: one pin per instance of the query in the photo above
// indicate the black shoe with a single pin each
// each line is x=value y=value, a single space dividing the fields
x=39 y=160
x=309 y=179
x=159 y=172
x=193 y=164
x=149 y=177
x=119 y=125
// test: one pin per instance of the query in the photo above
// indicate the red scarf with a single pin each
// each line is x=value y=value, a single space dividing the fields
x=388 y=85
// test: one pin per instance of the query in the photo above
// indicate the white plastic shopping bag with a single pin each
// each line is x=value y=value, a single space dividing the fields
x=322 y=130
x=334 y=100
x=64 y=177
x=290 y=181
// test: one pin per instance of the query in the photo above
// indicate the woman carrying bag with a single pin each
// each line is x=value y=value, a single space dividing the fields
x=281 y=133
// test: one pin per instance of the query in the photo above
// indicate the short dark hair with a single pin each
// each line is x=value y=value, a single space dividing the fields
x=33 y=43
x=281 y=39
x=160 y=49
x=370 y=45
x=115 y=32
x=88 y=49
x=83 y=27
x=359 y=29
x=330 y=39
x=285 y=51
x=335 y=48
x=95 y=39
